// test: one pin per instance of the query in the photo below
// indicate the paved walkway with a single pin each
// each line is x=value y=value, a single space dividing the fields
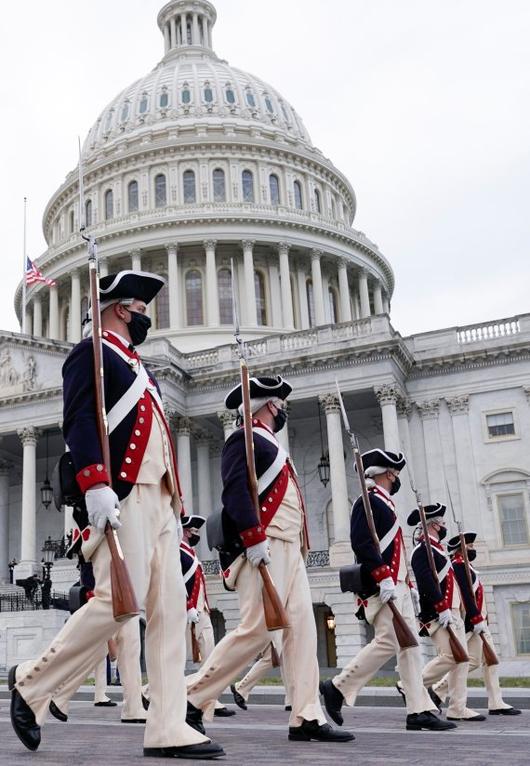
x=259 y=737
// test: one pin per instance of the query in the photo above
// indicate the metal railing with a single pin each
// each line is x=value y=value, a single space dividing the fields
x=315 y=559
x=19 y=602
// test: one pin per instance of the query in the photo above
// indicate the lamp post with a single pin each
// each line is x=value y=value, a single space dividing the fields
x=323 y=465
x=48 y=558
x=46 y=491
x=12 y=564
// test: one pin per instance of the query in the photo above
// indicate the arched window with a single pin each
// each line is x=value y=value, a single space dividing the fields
x=189 y=186
x=88 y=213
x=261 y=303
x=109 y=205
x=274 y=189
x=298 y=202
x=125 y=112
x=219 y=186
x=160 y=190
x=164 y=99
x=310 y=302
x=132 y=196
x=224 y=289
x=333 y=313
x=162 y=309
x=250 y=98
x=71 y=222
x=284 y=111
x=208 y=93
x=268 y=104
x=248 y=186
x=185 y=94
x=333 y=208
x=194 y=312
x=318 y=205
x=143 y=104
x=230 y=95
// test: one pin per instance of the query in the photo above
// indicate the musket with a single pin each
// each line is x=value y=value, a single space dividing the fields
x=124 y=602
x=275 y=614
x=457 y=650
x=195 y=648
x=404 y=635
x=490 y=658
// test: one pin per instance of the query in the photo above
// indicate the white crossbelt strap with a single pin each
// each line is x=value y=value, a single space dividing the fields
x=129 y=399
x=387 y=539
x=443 y=572
x=277 y=464
x=191 y=571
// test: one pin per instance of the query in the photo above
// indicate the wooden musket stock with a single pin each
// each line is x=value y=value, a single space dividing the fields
x=195 y=648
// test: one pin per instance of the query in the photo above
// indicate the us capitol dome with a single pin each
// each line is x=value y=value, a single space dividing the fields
x=194 y=165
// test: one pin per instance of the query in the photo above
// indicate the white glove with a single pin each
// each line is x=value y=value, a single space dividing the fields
x=480 y=627
x=387 y=590
x=445 y=618
x=258 y=553
x=102 y=505
x=193 y=615
x=180 y=534
x=415 y=596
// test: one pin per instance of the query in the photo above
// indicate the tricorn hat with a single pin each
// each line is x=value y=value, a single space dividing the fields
x=454 y=543
x=141 y=285
x=380 y=458
x=260 y=388
x=192 y=522
x=431 y=511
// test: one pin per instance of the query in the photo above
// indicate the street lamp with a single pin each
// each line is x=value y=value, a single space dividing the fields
x=46 y=491
x=323 y=466
x=48 y=557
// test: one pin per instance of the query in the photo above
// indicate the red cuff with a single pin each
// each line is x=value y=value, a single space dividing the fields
x=477 y=619
x=89 y=595
x=253 y=536
x=441 y=606
x=92 y=474
x=380 y=573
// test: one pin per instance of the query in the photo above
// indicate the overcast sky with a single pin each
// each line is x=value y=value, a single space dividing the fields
x=423 y=104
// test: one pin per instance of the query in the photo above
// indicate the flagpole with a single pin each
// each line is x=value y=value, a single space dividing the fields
x=23 y=323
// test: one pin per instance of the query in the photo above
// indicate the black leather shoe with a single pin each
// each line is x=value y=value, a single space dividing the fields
x=505 y=711
x=427 y=721
x=435 y=698
x=401 y=690
x=322 y=733
x=333 y=700
x=202 y=751
x=223 y=712
x=22 y=717
x=133 y=720
x=194 y=718
x=477 y=717
x=238 y=698
x=57 y=713
x=107 y=703
x=289 y=708
x=145 y=702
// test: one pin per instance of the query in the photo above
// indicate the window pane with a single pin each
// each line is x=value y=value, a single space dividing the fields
x=189 y=186
x=310 y=302
x=317 y=201
x=88 y=212
x=230 y=96
x=248 y=186
x=219 y=191
x=162 y=308
x=132 y=196
x=208 y=95
x=261 y=306
x=71 y=221
x=194 y=298
x=224 y=288
x=164 y=99
x=500 y=424
x=186 y=96
x=160 y=190
x=109 y=205
x=298 y=195
x=268 y=104
x=125 y=111
x=143 y=105
x=332 y=305
x=274 y=187
x=251 y=101
x=512 y=519
x=521 y=627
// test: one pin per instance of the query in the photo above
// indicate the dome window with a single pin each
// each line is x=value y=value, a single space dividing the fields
x=230 y=95
x=109 y=205
x=219 y=185
x=185 y=94
x=333 y=214
x=188 y=180
x=164 y=99
x=284 y=111
x=208 y=93
x=125 y=112
x=268 y=104
x=298 y=200
x=108 y=121
x=261 y=302
x=274 y=189
x=310 y=302
x=248 y=186
x=224 y=290
x=162 y=309
x=332 y=297
x=194 y=303
x=71 y=221
x=88 y=213
x=318 y=204
x=132 y=196
x=251 y=99
x=143 y=104
x=160 y=190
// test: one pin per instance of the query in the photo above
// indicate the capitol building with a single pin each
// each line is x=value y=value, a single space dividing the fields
x=200 y=164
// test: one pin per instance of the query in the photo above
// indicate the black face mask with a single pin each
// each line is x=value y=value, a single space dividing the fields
x=471 y=554
x=193 y=540
x=442 y=533
x=396 y=485
x=280 y=419
x=138 y=327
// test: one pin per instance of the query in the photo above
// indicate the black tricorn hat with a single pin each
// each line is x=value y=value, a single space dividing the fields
x=381 y=458
x=430 y=512
x=454 y=543
x=141 y=285
x=192 y=522
x=260 y=388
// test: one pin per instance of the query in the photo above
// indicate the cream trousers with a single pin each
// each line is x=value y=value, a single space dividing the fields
x=254 y=675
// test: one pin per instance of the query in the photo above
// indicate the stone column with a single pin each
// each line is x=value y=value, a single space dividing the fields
x=204 y=487
x=344 y=291
x=103 y=267
x=167 y=38
x=251 y=316
x=173 y=32
x=195 y=29
x=204 y=28
x=378 y=298
x=227 y=419
x=463 y=450
x=212 y=293
x=387 y=396
x=29 y=321
x=136 y=259
x=53 y=322
x=364 y=295
x=429 y=411
x=301 y=279
x=75 y=308
x=5 y=468
x=405 y=500
x=29 y=437
x=172 y=285
x=276 y=312
x=37 y=317
x=183 y=29
x=285 y=283
x=318 y=295
x=340 y=551
x=183 y=429
x=386 y=304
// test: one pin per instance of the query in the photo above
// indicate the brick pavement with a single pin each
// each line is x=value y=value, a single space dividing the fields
x=259 y=736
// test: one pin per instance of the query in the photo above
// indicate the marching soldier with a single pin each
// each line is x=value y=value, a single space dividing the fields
x=384 y=577
x=144 y=506
x=476 y=622
x=440 y=608
x=279 y=540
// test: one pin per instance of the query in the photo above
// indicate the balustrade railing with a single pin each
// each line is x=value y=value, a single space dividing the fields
x=488 y=331
x=314 y=559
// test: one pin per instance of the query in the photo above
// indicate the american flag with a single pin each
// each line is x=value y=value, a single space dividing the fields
x=34 y=275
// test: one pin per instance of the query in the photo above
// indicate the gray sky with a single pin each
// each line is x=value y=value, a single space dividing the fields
x=423 y=104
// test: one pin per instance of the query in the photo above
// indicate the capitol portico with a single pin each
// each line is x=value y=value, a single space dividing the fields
x=198 y=165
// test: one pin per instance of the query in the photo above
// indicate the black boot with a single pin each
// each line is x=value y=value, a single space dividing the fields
x=203 y=751
x=320 y=732
x=22 y=716
x=435 y=698
x=194 y=718
x=333 y=701
x=505 y=711
x=238 y=698
x=57 y=712
x=427 y=721
x=223 y=712
x=145 y=702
